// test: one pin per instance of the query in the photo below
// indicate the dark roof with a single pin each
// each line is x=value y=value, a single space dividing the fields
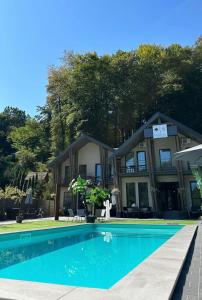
x=139 y=134
x=79 y=143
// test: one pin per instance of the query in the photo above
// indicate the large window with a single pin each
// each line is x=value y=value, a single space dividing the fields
x=67 y=174
x=165 y=158
x=130 y=194
x=141 y=161
x=130 y=162
x=143 y=194
x=83 y=171
x=195 y=195
x=98 y=173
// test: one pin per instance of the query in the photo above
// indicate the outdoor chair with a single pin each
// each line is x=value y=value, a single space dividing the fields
x=146 y=212
x=72 y=215
x=195 y=212
x=133 y=212
x=81 y=213
x=100 y=214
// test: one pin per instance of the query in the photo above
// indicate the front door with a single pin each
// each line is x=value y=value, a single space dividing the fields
x=168 y=196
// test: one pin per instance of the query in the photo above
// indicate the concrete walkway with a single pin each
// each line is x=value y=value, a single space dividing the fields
x=189 y=286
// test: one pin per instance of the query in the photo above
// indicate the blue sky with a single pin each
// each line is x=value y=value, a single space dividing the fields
x=35 y=33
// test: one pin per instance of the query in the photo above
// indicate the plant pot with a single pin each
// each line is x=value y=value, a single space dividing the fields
x=19 y=219
x=90 y=219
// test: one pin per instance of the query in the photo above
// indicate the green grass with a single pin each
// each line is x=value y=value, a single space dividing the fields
x=153 y=221
x=34 y=225
x=50 y=223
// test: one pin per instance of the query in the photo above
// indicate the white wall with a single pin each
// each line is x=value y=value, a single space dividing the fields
x=89 y=155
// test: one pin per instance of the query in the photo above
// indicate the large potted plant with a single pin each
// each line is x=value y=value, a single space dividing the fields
x=92 y=195
x=81 y=186
x=95 y=196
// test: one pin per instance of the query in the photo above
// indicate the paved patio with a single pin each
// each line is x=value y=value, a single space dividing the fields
x=189 y=286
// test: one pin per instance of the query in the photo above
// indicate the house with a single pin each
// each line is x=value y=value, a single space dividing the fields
x=86 y=157
x=146 y=174
x=142 y=170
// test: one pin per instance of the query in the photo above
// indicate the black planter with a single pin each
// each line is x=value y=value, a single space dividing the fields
x=90 y=219
x=19 y=219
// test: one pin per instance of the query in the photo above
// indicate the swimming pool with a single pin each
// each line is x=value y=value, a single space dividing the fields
x=94 y=256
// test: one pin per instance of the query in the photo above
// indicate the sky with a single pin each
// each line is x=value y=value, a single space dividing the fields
x=35 y=33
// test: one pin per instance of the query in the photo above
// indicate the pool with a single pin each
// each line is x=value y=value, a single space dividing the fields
x=95 y=256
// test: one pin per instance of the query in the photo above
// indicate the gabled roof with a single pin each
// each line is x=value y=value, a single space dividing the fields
x=139 y=134
x=79 y=143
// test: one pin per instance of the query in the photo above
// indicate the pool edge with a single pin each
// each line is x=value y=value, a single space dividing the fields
x=155 y=277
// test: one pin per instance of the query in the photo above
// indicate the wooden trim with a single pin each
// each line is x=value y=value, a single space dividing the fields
x=180 y=176
x=57 y=196
x=151 y=162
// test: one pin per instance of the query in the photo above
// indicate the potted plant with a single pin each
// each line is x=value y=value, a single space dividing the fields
x=95 y=196
x=81 y=185
x=91 y=195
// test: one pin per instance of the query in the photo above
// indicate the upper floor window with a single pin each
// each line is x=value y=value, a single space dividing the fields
x=110 y=171
x=67 y=174
x=83 y=171
x=98 y=172
x=141 y=160
x=165 y=158
x=129 y=162
x=195 y=195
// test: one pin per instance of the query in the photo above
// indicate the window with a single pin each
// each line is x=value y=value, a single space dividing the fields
x=67 y=200
x=130 y=163
x=82 y=171
x=98 y=173
x=130 y=194
x=143 y=194
x=165 y=158
x=67 y=174
x=195 y=195
x=110 y=170
x=141 y=161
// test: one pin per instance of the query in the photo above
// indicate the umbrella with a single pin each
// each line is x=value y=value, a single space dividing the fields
x=192 y=155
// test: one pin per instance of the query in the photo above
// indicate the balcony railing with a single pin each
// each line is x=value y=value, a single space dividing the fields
x=142 y=170
x=132 y=170
x=94 y=180
x=166 y=169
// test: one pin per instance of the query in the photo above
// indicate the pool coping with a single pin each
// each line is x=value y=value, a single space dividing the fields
x=155 y=278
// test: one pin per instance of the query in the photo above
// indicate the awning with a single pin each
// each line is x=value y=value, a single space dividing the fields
x=192 y=155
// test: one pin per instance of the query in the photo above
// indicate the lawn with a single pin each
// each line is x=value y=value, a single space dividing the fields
x=153 y=221
x=51 y=223
x=34 y=225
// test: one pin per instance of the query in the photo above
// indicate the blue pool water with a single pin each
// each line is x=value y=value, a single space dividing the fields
x=89 y=255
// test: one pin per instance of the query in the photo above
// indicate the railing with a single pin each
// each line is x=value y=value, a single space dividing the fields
x=131 y=170
x=166 y=169
x=94 y=180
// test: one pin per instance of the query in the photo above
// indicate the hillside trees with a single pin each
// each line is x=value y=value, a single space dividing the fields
x=110 y=96
x=107 y=97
